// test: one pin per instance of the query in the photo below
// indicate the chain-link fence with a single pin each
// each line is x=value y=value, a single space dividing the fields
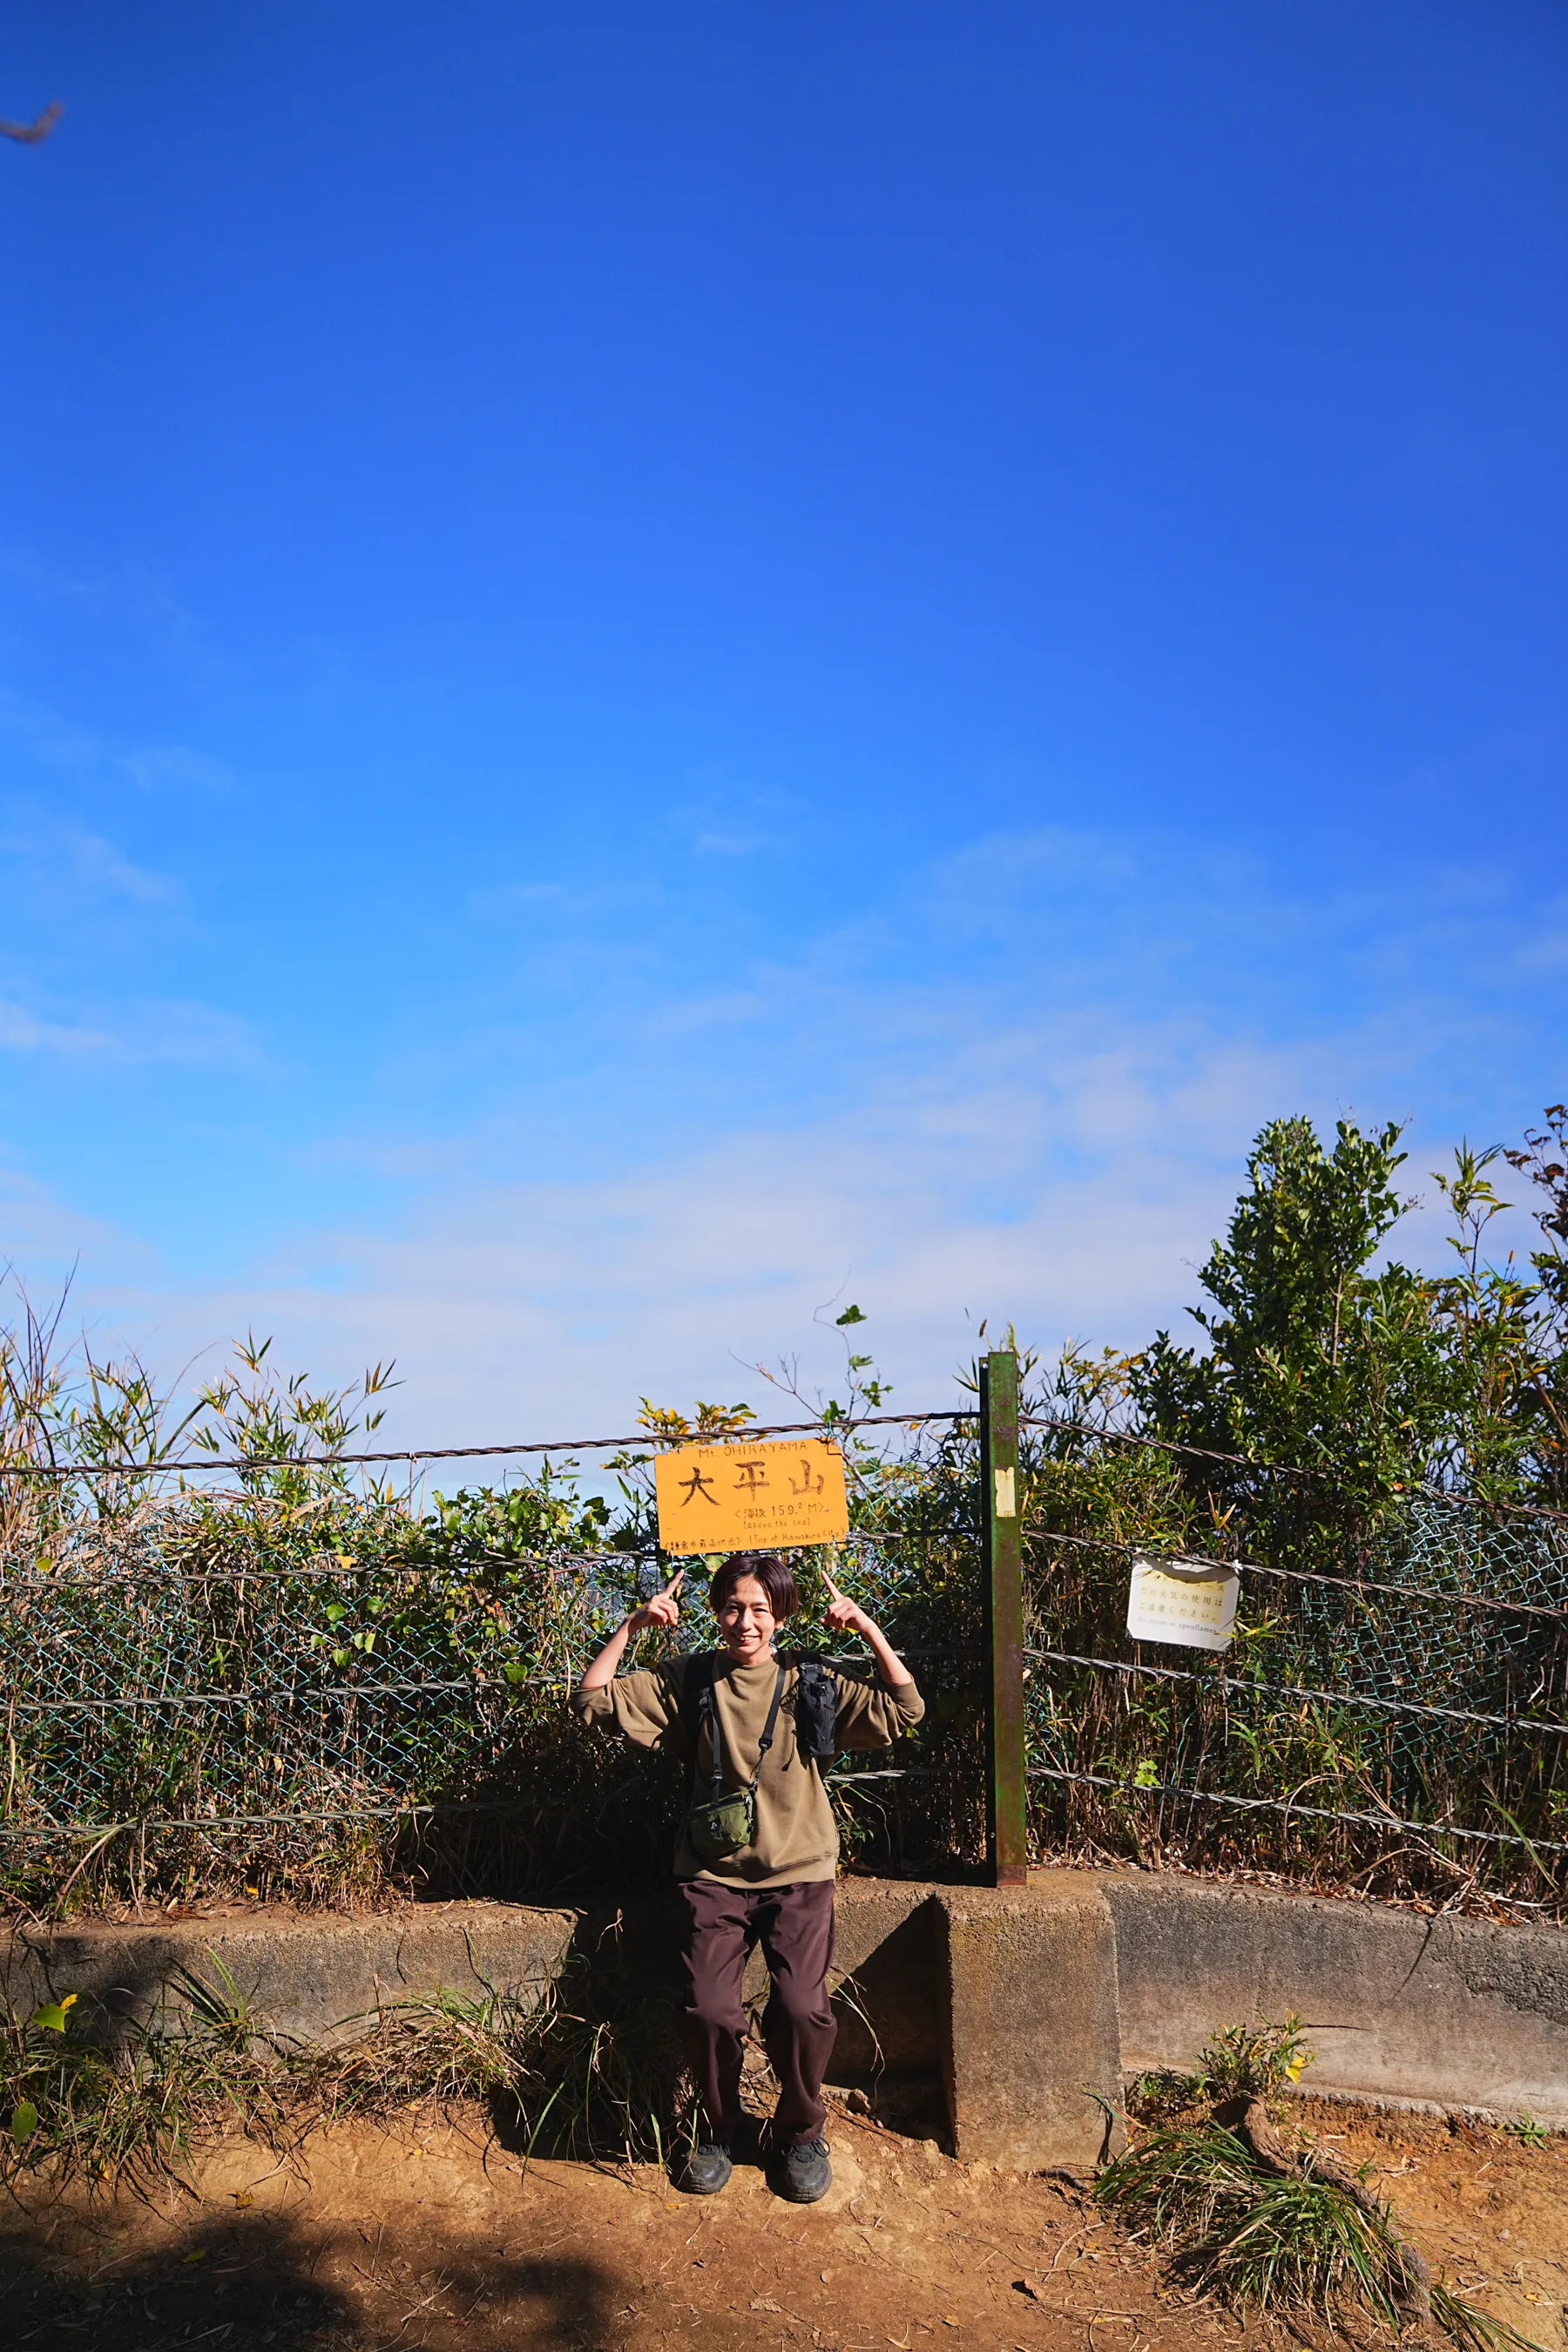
x=211 y=1694
x=227 y=1697
x=1402 y=1727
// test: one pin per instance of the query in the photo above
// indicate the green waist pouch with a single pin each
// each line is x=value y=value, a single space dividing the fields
x=712 y=1830
x=726 y=1822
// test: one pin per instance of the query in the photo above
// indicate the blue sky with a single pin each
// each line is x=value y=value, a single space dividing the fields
x=662 y=663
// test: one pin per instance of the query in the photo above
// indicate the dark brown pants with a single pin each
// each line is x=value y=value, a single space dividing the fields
x=794 y=1925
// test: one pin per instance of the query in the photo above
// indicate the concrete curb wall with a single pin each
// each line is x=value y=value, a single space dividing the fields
x=316 y=1978
x=1034 y=2071
x=1453 y=2013
x=1030 y=2006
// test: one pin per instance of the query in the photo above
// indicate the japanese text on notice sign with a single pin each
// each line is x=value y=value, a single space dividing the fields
x=1192 y=1603
x=746 y=1497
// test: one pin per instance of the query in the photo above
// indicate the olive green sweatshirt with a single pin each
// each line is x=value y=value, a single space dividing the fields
x=797 y=1841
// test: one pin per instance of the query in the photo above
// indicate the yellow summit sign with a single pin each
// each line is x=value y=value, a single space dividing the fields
x=751 y=1497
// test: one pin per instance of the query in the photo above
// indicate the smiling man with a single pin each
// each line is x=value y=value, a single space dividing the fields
x=758 y=1851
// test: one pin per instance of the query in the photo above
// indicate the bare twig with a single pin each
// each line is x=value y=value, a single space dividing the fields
x=28 y=134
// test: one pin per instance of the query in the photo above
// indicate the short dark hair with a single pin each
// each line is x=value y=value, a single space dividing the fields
x=769 y=1572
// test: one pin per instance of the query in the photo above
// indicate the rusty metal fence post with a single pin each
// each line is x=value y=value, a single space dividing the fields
x=1007 y=1845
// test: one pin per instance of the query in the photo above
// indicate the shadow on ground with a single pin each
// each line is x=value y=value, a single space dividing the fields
x=269 y=2279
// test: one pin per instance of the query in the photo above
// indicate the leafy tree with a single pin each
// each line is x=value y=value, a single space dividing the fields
x=1544 y=1159
x=1491 y=1325
x=285 y=1435
x=1370 y=1382
x=1312 y=1360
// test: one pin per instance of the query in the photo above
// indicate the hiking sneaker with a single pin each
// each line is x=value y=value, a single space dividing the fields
x=804 y=2171
x=707 y=2169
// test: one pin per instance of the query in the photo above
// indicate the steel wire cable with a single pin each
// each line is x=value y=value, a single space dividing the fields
x=213 y=1822
x=131 y=1623
x=62 y=1580
x=1288 y=1806
x=1298 y=1690
x=261 y=1695
x=646 y=1439
x=1279 y=1469
x=321 y=1566
x=256 y=1694
x=415 y=1454
x=1149 y=1549
x=266 y=1694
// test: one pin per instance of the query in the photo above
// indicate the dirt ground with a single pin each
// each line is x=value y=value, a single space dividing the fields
x=434 y=2236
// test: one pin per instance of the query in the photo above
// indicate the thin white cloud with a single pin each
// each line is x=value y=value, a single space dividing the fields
x=155 y=1030
x=1039 y=1146
x=174 y=768
x=43 y=1237
x=733 y=842
x=65 y=862
x=23 y=1031
x=1068 y=1187
x=99 y=865
x=133 y=603
x=59 y=746
x=199 y=1036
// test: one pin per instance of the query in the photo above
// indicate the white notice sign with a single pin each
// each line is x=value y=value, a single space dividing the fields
x=1192 y=1602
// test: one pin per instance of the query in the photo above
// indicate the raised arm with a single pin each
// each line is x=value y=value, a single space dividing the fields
x=847 y=1616
x=664 y=1609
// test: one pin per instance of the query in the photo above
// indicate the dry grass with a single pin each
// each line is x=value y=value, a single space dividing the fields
x=134 y=2114
x=1267 y=2226
x=586 y=2070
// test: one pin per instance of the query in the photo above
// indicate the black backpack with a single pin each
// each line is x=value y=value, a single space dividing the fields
x=816 y=1704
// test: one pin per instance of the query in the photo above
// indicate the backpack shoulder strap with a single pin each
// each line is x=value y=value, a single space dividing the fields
x=699 y=1714
x=699 y=1677
x=772 y=1723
